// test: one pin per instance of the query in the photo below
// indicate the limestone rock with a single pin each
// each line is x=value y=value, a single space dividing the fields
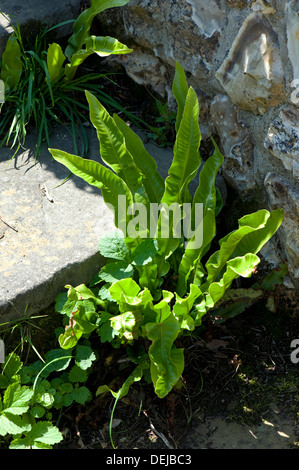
x=257 y=54
x=187 y=32
x=264 y=7
x=282 y=194
x=207 y=15
x=283 y=139
x=238 y=3
x=236 y=142
x=146 y=68
x=292 y=24
x=252 y=74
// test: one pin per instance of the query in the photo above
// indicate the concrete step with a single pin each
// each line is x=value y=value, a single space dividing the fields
x=46 y=243
x=31 y=11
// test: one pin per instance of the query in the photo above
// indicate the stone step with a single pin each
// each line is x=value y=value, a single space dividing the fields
x=46 y=243
x=51 y=13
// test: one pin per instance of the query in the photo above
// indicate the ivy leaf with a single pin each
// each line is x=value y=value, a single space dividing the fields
x=28 y=373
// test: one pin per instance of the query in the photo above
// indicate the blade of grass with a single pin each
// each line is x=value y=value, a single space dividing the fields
x=30 y=87
x=63 y=23
x=41 y=126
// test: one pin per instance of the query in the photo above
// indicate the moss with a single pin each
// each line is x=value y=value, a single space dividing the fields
x=256 y=396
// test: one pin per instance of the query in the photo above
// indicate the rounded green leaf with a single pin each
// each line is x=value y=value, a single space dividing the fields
x=37 y=411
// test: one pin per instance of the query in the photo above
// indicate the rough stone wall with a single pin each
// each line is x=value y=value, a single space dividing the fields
x=241 y=57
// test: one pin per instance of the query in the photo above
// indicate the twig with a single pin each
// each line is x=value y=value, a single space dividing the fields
x=8 y=224
x=44 y=188
x=159 y=434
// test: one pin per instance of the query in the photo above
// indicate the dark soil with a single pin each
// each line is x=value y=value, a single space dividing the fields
x=234 y=371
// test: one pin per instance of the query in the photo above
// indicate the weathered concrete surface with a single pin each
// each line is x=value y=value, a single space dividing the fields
x=277 y=430
x=51 y=13
x=56 y=243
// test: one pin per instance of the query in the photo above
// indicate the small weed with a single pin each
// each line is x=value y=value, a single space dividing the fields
x=163 y=133
x=42 y=85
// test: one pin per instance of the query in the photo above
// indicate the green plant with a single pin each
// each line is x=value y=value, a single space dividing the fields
x=41 y=87
x=236 y=301
x=162 y=133
x=17 y=411
x=20 y=334
x=153 y=290
x=32 y=391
